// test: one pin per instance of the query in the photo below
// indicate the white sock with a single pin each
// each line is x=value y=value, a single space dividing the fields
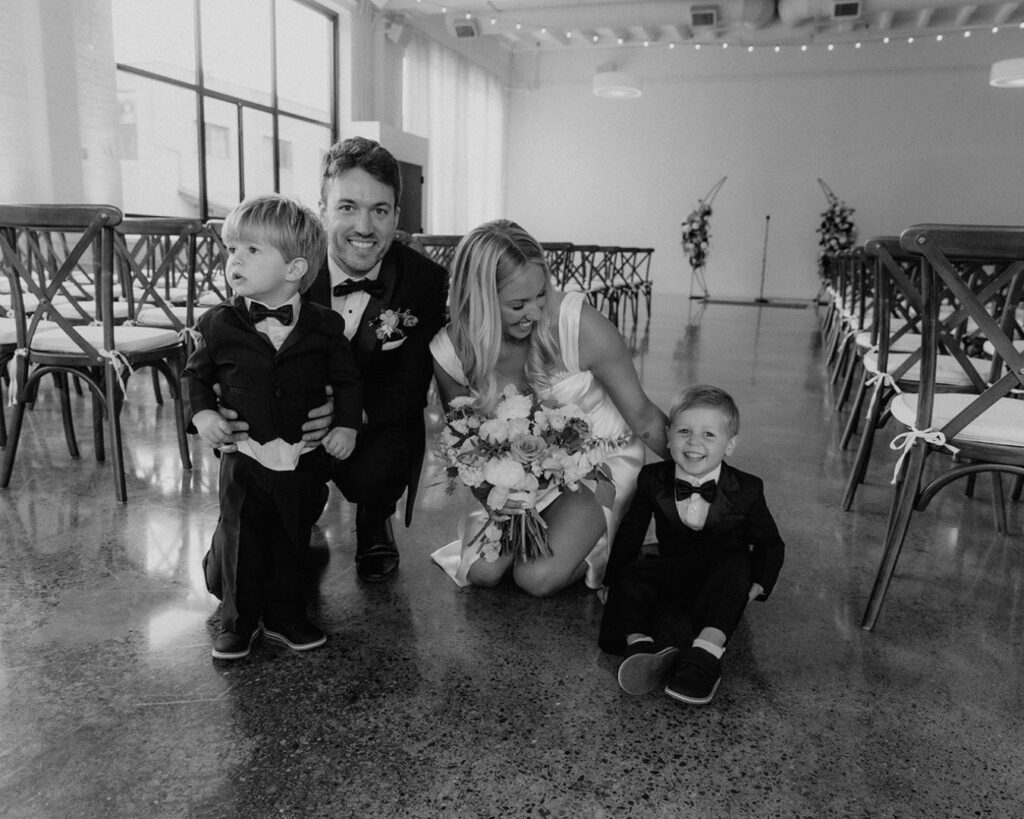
x=710 y=648
x=639 y=638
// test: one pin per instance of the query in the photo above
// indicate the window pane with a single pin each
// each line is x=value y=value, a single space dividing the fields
x=258 y=147
x=222 y=189
x=156 y=36
x=159 y=165
x=303 y=146
x=236 y=48
x=304 y=61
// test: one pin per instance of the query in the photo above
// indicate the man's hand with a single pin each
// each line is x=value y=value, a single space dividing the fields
x=320 y=418
x=340 y=442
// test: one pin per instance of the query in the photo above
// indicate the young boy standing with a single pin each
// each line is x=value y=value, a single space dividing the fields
x=272 y=356
x=718 y=548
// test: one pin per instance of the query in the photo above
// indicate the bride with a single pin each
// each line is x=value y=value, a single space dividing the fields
x=509 y=326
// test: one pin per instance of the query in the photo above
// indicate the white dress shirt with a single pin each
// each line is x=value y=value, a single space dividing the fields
x=693 y=511
x=352 y=306
x=278 y=455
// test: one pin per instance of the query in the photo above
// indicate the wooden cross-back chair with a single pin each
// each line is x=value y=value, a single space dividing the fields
x=984 y=430
x=439 y=248
x=85 y=338
x=636 y=269
x=557 y=257
x=893 y=366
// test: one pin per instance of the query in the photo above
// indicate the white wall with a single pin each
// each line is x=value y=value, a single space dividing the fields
x=906 y=144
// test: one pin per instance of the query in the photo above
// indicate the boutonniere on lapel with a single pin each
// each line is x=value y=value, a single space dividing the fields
x=388 y=327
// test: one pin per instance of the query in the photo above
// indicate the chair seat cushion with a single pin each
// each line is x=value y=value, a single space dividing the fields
x=155 y=317
x=9 y=335
x=1001 y=425
x=948 y=372
x=1019 y=344
x=907 y=343
x=127 y=340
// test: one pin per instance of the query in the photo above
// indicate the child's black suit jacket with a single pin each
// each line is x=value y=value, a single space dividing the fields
x=273 y=390
x=738 y=519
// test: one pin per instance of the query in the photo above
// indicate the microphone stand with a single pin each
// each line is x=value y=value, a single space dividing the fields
x=764 y=260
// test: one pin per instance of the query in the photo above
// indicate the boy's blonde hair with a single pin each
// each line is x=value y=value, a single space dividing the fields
x=289 y=227
x=705 y=395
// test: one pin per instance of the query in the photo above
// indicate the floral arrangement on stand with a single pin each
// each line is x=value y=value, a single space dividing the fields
x=836 y=231
x=507 y=459
x=697 y=237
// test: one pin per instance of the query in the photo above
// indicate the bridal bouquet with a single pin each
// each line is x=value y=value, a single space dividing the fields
x=507 y=459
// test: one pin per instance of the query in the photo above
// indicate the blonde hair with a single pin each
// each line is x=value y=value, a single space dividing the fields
x=486 y=259
x=289 y=227
x=705 y=395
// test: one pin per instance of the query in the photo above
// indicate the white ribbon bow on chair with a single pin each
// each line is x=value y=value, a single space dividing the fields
x=906 y=441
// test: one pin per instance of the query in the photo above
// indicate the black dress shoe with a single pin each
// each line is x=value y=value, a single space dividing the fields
x=376 y=550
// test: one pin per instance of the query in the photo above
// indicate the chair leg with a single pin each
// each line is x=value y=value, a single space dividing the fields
x=867 y=440
x=112 y=386
x=171 y=372
x=1018 y=485
x=157 y=392
x=999 y=503
x=851 y=369
x=858 y=406
x=899 y=521
x=969 y=485
x=98 y=418
x=66 y=416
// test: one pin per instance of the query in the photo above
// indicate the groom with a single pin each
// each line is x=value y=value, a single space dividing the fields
x=393 y=302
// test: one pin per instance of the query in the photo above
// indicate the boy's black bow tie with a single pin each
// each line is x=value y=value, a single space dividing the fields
x=684 y=489
x=375 y=287
x=258 y=312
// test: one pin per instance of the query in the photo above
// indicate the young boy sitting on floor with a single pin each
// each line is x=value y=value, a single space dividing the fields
x=718 y=548
x=272 y=356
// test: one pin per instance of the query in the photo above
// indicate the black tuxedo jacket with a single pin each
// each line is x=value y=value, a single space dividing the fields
x=738 y=518
x=273 y=390
x=395 y=381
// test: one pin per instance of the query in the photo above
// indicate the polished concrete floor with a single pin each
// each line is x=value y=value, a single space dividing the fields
x=431 y=701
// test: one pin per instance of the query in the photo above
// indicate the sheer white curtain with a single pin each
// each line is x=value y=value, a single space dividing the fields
x=461 y=109
x=58 y=102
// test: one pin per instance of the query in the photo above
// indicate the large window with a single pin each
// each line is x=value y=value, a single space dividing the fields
x=223 y=99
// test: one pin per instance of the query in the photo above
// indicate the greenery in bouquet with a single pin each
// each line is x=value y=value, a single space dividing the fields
x=508 y=458
x=837 y=231
x=696 y=235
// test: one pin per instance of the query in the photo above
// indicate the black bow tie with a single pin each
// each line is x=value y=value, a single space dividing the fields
x=258 y=312
x=685 y=489
x=375 y=287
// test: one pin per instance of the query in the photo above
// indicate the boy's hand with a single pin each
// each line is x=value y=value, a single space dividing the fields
x=340 y=442
x=756 y=590
x=239 y=428
x=215 y=430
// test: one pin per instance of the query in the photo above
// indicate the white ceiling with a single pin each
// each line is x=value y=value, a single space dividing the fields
x=557 y=25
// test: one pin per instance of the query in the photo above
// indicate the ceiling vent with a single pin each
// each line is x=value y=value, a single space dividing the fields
x=463 y=28
x=845 y=9
x=704 y=17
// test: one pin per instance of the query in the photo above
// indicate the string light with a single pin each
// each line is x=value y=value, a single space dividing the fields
x=501 y=21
